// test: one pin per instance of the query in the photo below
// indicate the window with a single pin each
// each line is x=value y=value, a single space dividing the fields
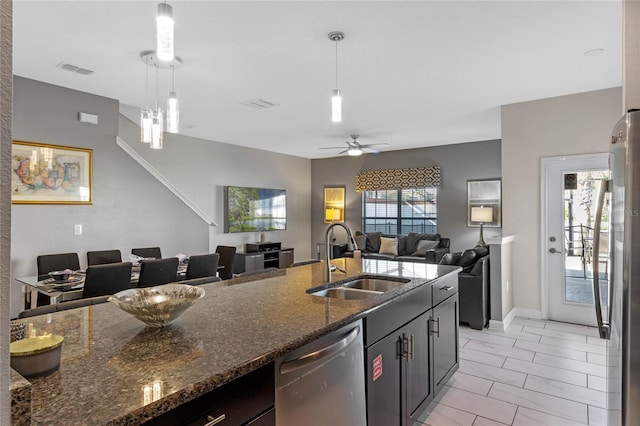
x=400 y=211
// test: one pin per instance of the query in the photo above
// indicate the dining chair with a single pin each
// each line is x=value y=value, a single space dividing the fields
x=158 y=272
x=202 y=265
x=56 y=262
x=227 y=256
x=147 y=252
x=103 y=257
x=107 y=279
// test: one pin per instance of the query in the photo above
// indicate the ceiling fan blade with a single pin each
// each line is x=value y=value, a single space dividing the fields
x=373 y=144
x=372 y=151
x=342 y=152
x=332 y=147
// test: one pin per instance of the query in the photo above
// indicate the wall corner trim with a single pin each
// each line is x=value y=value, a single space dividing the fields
x=148 y=167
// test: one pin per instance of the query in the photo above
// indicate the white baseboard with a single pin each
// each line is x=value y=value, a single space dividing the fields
x=515 y=312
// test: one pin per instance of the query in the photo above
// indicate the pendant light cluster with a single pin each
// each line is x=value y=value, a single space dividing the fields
x=151 y=118
x=336 y=95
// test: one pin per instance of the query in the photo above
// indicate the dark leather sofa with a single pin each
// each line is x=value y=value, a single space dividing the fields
x=473 y=285
x=408 y=248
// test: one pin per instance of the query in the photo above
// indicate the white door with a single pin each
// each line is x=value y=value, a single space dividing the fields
x=569 y=196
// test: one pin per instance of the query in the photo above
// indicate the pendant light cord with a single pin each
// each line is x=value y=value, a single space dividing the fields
x=173 y=75
x=336 y=64
x=157 y=89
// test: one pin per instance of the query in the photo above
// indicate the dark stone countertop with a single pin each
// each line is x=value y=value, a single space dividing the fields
x=111 y=361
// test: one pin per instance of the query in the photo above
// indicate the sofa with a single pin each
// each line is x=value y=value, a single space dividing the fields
x=414 y=247
x=473 y=285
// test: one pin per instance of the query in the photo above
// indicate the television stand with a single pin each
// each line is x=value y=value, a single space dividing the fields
x=261 y=256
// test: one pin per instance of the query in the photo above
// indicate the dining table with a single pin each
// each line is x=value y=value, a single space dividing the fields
x=71 y=288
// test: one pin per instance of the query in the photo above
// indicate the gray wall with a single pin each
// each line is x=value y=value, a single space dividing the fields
x=565 y=125
x=200 y=169
x=132 y=208
x=460 y=162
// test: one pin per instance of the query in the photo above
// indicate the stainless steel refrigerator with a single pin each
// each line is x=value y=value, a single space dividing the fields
x=618 y=307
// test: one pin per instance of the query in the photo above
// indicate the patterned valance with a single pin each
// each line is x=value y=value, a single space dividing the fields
x=416 y=177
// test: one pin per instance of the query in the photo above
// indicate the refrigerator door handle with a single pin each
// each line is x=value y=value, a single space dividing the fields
x=603 y=328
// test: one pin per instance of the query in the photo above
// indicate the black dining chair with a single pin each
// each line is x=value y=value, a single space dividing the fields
x=103 y=257
x=107 y=279
x=202 y=265
x=147 y=252
x=227 y=256
x=56 y=262
x=158 y=272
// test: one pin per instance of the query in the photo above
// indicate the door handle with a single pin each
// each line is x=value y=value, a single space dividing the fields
x=554 y=251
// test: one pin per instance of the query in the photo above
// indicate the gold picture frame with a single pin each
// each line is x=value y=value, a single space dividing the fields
x=50 y=174
x=334 y=202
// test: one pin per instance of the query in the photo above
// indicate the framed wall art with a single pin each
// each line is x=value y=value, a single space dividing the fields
x=334 y=202
x=484 y=203
x=50 y=174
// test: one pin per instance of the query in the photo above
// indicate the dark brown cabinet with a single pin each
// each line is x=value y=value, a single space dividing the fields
x=261 y=256
x=248 y=400
x=411 y=352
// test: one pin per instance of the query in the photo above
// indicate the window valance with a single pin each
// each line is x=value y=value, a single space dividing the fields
x=416 y=177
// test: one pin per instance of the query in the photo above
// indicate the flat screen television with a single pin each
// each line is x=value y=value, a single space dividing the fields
x=254 y=209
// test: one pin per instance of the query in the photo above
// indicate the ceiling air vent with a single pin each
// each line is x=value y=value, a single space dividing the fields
x=259 y=103
x=73 y=68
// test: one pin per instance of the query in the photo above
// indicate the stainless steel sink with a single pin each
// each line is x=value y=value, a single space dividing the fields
x=375 y=284
x=346 y=293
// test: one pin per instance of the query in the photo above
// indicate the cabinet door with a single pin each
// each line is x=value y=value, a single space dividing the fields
x=286 y=259
x=383 y=382
x=254 y=261
x=445 y=340
x=417 y=378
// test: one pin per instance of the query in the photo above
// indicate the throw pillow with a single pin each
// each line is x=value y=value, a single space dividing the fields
x=414 y=237
x=388 y=246
x=373 y=242
x=361 y=241
x=424 y=246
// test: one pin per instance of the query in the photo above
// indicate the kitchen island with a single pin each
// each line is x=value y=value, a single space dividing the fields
x=114 y=370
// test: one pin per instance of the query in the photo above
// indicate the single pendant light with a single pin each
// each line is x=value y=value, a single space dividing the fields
x=145 y=113
x=173 y=114
x=156 y=123
x=336 y=96
x=164 y=32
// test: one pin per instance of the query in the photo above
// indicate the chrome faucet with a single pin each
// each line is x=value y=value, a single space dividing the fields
x=351 y=245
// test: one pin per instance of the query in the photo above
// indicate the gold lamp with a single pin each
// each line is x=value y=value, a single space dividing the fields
x=332 y=215
x=483 y=215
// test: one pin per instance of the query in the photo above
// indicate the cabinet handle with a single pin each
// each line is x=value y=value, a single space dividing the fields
x=403 y=347
x=436 y=332
x=215 y=421
x=447 y=288
x=411 y=347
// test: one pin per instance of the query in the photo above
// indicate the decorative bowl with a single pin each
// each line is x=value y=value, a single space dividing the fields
x=157 y=306
x=36 y=356
x=61 y=275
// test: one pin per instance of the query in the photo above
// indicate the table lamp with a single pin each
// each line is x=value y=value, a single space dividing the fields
x=332 y=215
x=483 y=215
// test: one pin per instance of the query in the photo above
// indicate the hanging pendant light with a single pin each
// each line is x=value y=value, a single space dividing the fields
x=173 y=114
x=145 y=114
x=164 y=32
x=336 y=96
x=156 y=123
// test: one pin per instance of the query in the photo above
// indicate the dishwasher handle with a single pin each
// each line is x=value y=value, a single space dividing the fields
x=332 y=349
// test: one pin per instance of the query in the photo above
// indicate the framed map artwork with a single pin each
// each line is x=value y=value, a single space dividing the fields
x=50 y=174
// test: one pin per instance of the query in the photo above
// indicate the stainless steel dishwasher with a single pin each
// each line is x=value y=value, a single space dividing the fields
x=322 y=383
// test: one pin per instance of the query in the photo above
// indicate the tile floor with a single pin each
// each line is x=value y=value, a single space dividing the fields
x=535 y=373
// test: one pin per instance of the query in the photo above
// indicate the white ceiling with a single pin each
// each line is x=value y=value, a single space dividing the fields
x=412 y=73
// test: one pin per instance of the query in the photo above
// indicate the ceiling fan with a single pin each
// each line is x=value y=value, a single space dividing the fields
x=355 y=148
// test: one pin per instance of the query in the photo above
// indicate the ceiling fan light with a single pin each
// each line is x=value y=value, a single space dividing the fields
x=354 y=152
x=336 y=106
x=164 y=32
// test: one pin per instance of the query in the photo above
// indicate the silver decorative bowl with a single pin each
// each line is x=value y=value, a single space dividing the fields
x=157 y=306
